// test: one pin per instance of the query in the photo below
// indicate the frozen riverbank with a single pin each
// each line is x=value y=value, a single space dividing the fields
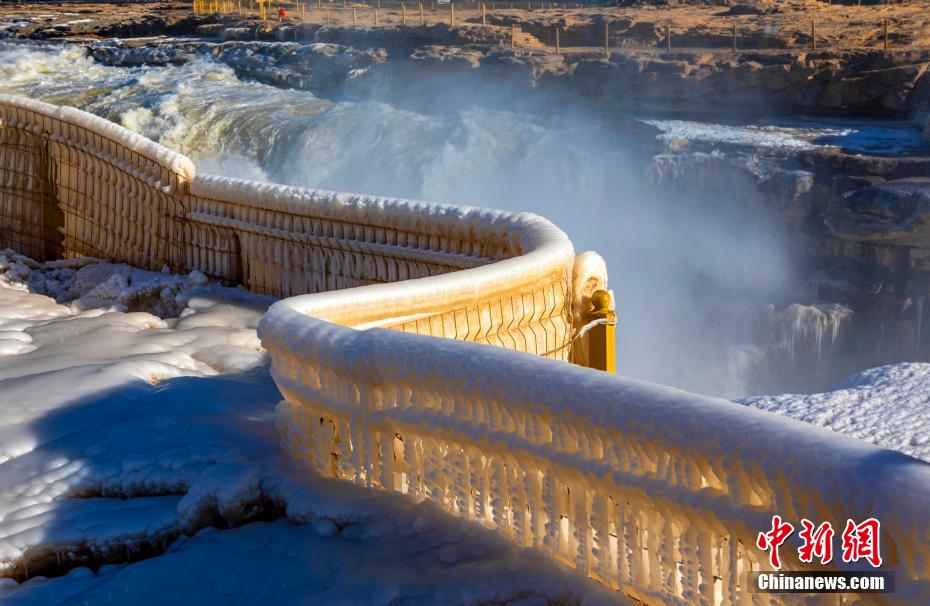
x=773 y=70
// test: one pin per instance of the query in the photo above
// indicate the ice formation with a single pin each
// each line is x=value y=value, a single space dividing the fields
x=852 y=136
x=806 y=326
x=86 y=283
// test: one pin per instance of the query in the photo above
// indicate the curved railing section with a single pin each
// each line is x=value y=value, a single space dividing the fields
x=652 y=491
x=469 y=274
x=74 y=184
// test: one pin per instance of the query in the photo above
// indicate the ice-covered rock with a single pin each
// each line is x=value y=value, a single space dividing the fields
x=895 y=212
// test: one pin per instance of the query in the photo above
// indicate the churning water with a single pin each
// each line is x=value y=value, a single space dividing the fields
x=692 y=264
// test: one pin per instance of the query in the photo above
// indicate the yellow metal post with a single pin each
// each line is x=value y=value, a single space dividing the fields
x=602 y=353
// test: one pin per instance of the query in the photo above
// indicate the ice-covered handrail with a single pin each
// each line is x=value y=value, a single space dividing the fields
x=484 y=275
x=76 y=184
x=117 y=195
x=654 y=491
x=165 y=168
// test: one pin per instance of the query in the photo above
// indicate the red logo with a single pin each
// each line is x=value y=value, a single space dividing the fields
x=817 y=542
x=860 y=541
x=771 y=540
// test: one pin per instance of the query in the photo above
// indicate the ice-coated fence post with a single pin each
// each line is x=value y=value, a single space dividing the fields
x=602 y=337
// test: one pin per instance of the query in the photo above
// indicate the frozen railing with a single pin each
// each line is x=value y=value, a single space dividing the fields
x=653 y=491
x=74 y=184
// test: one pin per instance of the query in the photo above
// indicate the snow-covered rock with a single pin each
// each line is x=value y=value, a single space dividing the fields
x=888 y=406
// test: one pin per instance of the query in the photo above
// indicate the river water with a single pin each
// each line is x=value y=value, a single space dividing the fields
x=695 y=258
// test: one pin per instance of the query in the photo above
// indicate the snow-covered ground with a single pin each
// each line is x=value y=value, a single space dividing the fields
x=888 y=406
x=124 y=434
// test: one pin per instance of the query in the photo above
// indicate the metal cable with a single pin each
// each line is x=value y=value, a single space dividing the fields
x=581 y=332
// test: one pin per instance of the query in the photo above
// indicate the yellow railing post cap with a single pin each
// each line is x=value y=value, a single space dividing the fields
x=600 y=299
